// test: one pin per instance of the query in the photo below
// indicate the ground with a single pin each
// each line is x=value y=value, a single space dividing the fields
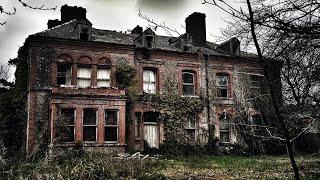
x=101 y=166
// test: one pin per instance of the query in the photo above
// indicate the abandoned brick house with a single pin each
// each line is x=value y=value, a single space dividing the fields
x=72 y=79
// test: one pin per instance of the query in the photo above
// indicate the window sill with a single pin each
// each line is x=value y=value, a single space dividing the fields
x=195 y=96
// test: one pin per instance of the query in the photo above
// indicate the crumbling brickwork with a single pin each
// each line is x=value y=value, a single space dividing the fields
x=73 y=68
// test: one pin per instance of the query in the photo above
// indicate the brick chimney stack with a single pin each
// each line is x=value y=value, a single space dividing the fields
x=69 y=13
x=196 y=28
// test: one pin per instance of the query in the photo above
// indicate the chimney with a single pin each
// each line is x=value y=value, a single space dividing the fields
x=53 y=23
x=137 y=30
x=69 y=13
x=196 y=28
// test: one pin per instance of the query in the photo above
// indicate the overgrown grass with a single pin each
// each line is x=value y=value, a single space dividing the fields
x=103 y=166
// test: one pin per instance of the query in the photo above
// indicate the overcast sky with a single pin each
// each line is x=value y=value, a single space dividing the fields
x=119 y=15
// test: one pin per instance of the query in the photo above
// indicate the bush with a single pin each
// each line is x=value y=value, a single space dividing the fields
x=91 y=165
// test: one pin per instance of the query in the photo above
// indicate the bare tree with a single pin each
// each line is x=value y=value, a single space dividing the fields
x=26 y=5
x=284 y=30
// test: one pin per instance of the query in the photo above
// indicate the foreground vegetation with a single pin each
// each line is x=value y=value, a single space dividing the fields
x=102 y=166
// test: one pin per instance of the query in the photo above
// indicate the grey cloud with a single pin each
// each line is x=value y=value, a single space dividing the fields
x=162 y=5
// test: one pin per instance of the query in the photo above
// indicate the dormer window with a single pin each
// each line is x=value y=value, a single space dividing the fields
x=149 y=41
x=84 y=34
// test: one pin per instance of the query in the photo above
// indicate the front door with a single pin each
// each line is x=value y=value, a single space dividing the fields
x=151 y=129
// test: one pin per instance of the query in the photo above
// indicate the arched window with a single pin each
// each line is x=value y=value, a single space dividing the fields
x=188 y=83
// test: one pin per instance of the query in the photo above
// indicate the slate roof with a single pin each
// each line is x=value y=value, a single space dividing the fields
x=67 y=31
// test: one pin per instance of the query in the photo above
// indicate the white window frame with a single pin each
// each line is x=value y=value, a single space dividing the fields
x=67 y=75
x=84 y=78
x=83 y=125
x=148 y=82
x=107 y=79
x=189 y=84
x=227 y=130
x=226 y=87
x=74 y=123
x=117 y=126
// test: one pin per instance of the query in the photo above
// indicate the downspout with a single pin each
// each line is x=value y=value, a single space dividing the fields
x=210 y=125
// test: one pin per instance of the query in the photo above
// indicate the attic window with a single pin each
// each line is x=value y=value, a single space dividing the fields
x=84 y=34
x=149 y=40
x=186 y=48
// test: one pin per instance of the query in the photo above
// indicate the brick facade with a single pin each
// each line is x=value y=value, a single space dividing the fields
x=166 y=56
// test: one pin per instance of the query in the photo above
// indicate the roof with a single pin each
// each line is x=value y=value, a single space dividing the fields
x=68 y=30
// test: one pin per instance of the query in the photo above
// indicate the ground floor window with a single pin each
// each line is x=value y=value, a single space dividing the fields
x=65 y=125
x=224 y=128
x=89 y=125
x=137 y=121
x=111 y=126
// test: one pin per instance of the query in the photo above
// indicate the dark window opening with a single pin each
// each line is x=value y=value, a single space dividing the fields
x=222 y=86
x=64 y=74
x=65 y=125
x=186 y=48
x=89 y=125
x=150 y=116
x=84 y=35
x=258 y=120
x=111 y=126
x=188 y=84
x=149 y=41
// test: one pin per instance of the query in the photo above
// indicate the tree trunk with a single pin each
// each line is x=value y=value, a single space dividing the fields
x=273 y=97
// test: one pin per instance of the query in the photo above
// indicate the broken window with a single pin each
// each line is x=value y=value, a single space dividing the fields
x=65 y=125
x=224 y=128
x=149 y=81
x=103 y=77
x=89 y=125
x=188 y=83
x=222 y=86
x=111 y=126
x=137 y=122
x=84 y=76
x=84 y=34
x=64 y=74
x=149 y=41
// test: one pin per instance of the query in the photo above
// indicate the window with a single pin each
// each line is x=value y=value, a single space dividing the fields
x=191 y=123
x=137 y=122
x=84 y=76
x=149 y=81
x=254 y=85
x=111 y=126
x=84 y=34
x=224 y=128
x=89 y=125
x=65 y=125
x=103 y=77
x=64 y=74
x=222 y=86
x=149 y=40
x=188 y=83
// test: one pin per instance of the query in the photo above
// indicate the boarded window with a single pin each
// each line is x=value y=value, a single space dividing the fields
x=64 y=74
x=224 y=128
x=111 y=126
x=149 y=81
x=89 y=125
x=103 y=77
x=222 y=86
x=188 y=83
x=84 y=76
x=65 y=125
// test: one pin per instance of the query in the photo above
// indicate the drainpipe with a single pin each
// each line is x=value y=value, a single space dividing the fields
x=211 y=127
